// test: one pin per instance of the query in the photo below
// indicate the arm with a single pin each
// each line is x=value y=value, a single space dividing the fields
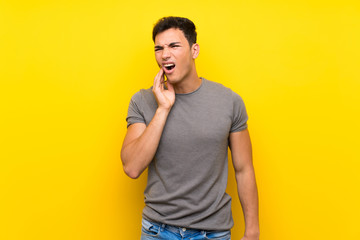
x=240 y=146
x=140 y=143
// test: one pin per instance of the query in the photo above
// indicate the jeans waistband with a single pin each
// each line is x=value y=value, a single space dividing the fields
x=174 y=229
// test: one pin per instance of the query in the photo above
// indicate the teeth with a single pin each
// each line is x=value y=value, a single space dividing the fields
x=169 y=65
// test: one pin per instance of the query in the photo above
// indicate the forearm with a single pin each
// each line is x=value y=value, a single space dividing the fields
x=248 y=195
x=137 y=154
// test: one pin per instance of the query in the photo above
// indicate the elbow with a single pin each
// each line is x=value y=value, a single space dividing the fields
x=132 y=173
x=130 y=170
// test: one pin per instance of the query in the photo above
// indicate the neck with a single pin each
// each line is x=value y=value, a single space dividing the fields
x=189 y=84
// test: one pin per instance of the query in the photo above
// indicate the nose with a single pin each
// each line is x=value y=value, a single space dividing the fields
x=165 y=53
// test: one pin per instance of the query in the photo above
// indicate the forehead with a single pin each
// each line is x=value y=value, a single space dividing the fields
x=169 y=36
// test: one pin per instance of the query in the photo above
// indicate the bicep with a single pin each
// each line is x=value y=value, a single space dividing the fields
x=134 y=131
x=241 y=150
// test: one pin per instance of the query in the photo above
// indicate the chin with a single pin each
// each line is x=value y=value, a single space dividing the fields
x=171 y=80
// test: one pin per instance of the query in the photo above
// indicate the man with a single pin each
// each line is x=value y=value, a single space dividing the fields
x=181 y=132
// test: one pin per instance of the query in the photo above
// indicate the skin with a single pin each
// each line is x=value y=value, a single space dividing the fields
x=241 y=152
x=172 y=46
x=141 y=141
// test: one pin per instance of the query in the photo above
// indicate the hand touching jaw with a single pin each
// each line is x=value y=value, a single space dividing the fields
x=164 y=97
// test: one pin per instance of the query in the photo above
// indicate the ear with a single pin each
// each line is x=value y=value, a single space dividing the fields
x=195 y=50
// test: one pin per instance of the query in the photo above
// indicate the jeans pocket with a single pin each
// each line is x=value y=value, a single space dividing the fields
x=149 y=228
x=218 y=235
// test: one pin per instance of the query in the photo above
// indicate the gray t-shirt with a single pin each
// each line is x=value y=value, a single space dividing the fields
x=188 y=176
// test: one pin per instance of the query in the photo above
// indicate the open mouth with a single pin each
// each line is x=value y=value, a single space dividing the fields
x=169 y=66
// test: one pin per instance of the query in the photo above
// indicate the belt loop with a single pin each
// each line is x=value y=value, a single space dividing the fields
x=162 y=227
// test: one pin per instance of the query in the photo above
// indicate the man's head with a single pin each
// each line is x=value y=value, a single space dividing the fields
x=176 y=48
x=185 y=25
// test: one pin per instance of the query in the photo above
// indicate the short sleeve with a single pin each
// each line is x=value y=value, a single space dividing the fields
x=240 y=117
x=135 y=114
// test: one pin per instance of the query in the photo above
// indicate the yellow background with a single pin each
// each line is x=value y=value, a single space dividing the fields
x=69 y=68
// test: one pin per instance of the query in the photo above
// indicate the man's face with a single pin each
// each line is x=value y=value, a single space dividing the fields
x=174 y=55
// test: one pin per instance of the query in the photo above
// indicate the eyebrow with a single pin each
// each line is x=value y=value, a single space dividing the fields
x=170 y=45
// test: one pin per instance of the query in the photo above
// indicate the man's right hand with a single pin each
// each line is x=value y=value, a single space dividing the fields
x=164 y=97
x=141 y=141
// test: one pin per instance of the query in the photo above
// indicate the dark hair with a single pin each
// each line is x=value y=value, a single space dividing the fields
x=184 y=24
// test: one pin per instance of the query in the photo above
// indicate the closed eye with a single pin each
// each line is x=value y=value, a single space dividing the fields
x=174 y=44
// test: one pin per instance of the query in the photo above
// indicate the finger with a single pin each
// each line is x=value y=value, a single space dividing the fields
x=157 y=79
x=162 y=76
x=154 y=84
x=162 y=80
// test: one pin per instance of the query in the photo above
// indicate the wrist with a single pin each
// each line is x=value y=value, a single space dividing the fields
x=252 y=233
x=163 y=110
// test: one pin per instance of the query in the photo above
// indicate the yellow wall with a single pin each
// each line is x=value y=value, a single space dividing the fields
x=69 y=68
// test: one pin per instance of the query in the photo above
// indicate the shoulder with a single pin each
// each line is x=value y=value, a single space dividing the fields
x=216 y=87
x=213 y=85
x=220 y=89
x=142 y=94
x=144 y=98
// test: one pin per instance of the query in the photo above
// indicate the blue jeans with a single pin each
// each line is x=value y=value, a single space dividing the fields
x=153 y=231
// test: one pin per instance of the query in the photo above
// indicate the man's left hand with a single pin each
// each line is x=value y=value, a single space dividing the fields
x=253 y=237
x=250 y=238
